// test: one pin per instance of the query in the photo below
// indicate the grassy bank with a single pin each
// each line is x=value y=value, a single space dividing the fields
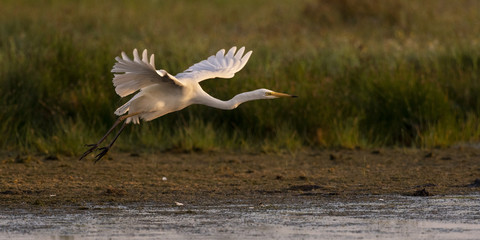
x=374 y=73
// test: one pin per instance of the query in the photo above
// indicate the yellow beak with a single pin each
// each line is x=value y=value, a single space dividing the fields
x=277 y=94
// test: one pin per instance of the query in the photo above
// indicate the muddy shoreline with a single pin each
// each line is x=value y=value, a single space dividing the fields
x=214 y=177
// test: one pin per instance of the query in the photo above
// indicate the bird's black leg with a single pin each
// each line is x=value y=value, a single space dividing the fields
x=95 y=145
x=104 y=150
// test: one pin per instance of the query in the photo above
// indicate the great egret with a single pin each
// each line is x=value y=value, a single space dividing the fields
x=161 y=93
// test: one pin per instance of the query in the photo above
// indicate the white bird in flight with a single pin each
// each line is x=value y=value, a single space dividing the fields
x=161 y=93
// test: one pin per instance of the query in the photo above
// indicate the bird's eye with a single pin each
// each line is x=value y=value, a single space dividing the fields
x=268 y=94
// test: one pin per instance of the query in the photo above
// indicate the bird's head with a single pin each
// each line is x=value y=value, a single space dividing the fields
x=269 y=94
x=258 y=94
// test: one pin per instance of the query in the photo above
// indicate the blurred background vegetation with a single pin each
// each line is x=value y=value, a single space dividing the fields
x=368 y=73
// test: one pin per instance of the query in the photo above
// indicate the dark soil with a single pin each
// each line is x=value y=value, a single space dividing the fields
x=208 y=178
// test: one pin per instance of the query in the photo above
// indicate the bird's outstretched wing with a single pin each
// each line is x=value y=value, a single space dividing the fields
x=138 y=74
x=220 y=65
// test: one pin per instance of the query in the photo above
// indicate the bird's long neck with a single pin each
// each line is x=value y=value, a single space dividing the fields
x=229 y=104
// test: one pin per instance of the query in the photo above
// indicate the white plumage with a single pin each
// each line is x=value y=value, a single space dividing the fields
x=220 y=65
x=158 y=88
x=159 y=93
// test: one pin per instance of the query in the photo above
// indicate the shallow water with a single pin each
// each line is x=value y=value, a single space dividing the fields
x=382 y=217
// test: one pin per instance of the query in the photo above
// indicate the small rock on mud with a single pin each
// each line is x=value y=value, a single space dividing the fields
x=115 y=192
x=375 y=152
x=51 y=158
x=421 y=193
x=475 y=183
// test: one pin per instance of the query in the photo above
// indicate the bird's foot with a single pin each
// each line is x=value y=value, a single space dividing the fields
x=104 y=151
x=91 y=149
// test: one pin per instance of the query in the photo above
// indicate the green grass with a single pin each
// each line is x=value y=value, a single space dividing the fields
x=367 y=73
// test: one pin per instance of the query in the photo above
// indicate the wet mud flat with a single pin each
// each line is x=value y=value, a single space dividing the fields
x=359 y=217
x=211 y=178
x=342 y=194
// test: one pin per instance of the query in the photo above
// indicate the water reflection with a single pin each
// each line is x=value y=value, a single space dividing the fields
x=386 y=217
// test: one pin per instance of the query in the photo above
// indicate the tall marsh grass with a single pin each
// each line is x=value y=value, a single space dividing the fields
x=368 y=73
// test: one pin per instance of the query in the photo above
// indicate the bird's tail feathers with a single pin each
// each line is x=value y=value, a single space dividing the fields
x=123 y=109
